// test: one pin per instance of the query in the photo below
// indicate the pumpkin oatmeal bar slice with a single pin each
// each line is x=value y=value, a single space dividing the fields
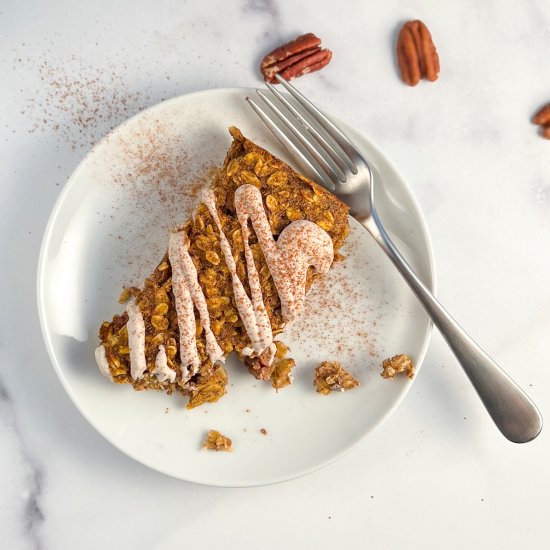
x=154 y=324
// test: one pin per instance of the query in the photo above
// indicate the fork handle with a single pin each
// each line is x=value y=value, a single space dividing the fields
x=513 y=412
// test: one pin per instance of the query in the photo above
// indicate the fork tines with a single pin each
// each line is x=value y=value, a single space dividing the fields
x=307 y=133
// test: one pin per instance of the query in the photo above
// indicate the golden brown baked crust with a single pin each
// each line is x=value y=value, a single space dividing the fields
x=331 y=376
x=288 y=196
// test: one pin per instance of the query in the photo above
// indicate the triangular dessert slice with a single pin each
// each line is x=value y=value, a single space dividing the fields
x=232 y=278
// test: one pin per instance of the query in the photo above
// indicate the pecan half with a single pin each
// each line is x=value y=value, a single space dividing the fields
x=416 y=53
x=542 y=116
x=542 y=119
x=295 y=58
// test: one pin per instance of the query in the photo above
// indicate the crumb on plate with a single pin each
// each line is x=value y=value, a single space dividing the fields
x=281 y=376
x=215 y=441
x=396 y=364
x=331 y=376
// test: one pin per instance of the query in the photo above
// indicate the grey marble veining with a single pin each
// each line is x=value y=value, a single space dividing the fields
x=30 y=514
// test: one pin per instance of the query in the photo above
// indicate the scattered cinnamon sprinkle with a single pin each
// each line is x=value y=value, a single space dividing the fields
x=155 y=172
x=81 y=103
x=263 y=431
x=339 y=314
x=158 y=176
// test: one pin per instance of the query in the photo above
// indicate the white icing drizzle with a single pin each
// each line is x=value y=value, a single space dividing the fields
x=300 y=245
x=102 y=363
x=188 y=293
x=162 y=370
x=136 y=340
x=253 y=313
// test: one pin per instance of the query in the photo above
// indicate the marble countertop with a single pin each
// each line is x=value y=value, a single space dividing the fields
x=437 y=474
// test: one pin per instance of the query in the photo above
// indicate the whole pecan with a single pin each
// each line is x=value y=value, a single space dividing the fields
x=416 y=53
x=542 y=119
x=295 y=58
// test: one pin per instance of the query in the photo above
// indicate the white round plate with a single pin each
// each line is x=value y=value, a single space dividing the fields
x=110 y=228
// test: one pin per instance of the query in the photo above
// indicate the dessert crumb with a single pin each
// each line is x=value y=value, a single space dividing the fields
x=331 y=376
x=397 y=364
x=215 y=441
x=281 y=376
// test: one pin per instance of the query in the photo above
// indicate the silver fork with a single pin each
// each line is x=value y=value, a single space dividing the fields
x=334 y=161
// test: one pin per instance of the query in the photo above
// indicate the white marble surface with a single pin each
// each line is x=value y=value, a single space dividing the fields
x=437 y=474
